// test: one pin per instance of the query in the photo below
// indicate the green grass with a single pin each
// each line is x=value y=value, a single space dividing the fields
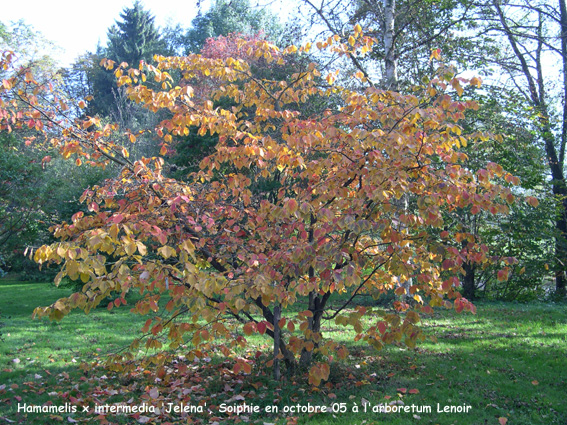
x=508 y=360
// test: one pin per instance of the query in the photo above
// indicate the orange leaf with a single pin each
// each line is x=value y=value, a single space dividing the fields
x=248 y=328
x=502 y=275
x=502 y=420
x=532 y=201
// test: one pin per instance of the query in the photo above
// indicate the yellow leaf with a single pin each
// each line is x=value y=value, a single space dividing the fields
x=166 y=251
x=240 y=304
x=130 y=248
x=435 y=54
x=141 y=248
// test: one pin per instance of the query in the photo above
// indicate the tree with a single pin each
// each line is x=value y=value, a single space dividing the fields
x=407 y=32
x=227 y=17
x=524 y=233
x=26 y=189
x=529 y=29
x=226 y=251
x=135 y=37
x=132 y=39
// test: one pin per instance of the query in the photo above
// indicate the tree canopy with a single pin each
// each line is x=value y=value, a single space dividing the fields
x=291 y=208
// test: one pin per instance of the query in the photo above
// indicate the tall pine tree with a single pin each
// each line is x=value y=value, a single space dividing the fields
x=135 y=38
x=131 y=39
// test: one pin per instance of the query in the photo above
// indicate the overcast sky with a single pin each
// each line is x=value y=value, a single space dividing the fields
x=78 y=26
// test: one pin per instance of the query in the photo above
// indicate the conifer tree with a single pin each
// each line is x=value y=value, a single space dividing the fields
x=135 y=37
x=131 y=39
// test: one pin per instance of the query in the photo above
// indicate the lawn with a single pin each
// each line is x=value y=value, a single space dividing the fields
x=506 y=363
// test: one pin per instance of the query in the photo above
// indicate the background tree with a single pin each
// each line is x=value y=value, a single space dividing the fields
x=131 y=39
x=523 y=234
x=226 y=17
x=407 y=32
x=528 y=31
x=36 y=190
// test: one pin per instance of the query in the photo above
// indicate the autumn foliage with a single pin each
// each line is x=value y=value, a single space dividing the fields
x=290 y=210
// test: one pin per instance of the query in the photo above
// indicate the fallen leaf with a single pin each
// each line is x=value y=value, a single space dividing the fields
x=534 y=382
x=502 y=420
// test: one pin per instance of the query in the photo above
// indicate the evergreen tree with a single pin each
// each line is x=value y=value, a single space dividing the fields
x=132 y=39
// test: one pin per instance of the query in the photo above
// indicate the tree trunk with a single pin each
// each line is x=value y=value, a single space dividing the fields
x=314 y=326
x=561 y=245
x=469 y=286
x=277 y=340
x=317 y=307
x=561 y=251
x=390 y=60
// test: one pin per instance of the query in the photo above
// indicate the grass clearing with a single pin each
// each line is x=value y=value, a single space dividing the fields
x=507 y=361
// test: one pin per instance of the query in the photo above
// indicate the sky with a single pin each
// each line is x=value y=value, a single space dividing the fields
x=78 y=26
